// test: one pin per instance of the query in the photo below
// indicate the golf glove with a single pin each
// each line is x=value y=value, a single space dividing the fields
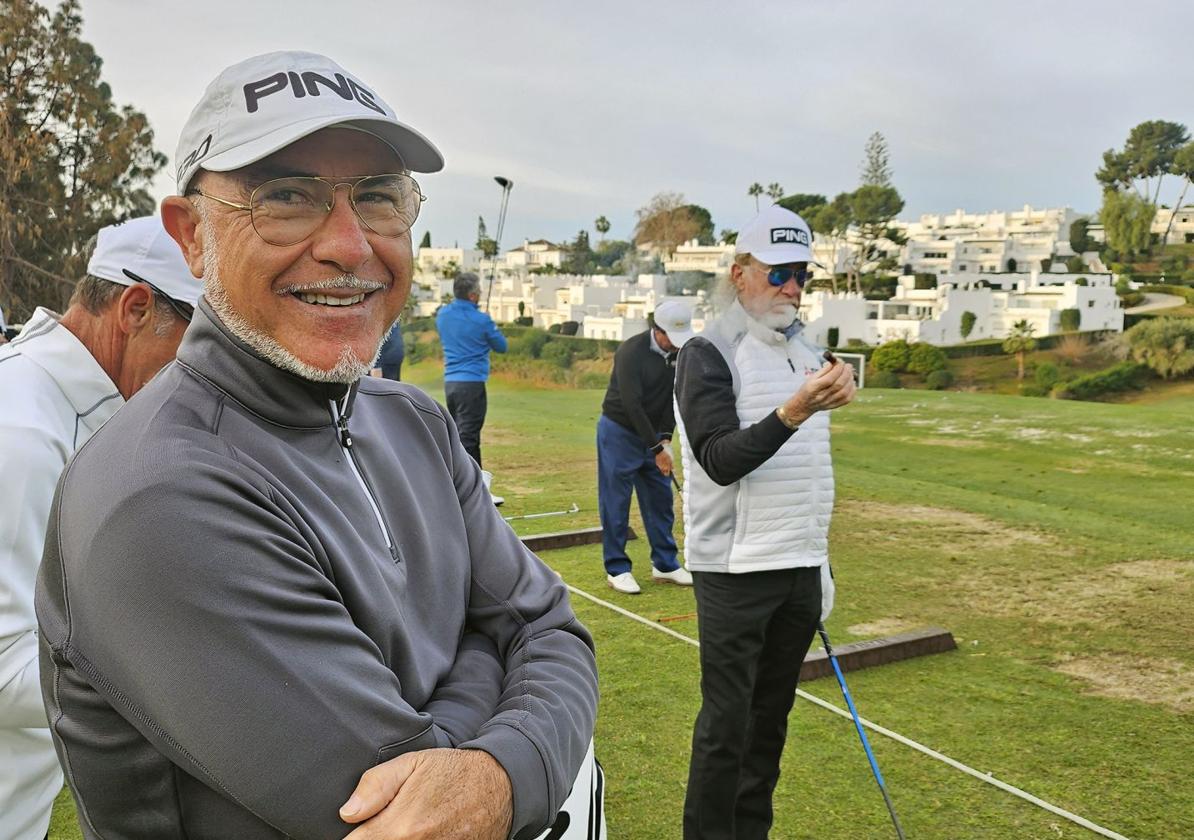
x=827 y=590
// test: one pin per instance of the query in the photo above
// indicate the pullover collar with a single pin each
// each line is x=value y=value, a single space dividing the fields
x=210 y=350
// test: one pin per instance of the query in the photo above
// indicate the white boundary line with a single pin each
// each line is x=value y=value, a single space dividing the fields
x=895 y=736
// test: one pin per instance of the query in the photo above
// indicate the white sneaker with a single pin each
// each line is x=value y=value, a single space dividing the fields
x=624 y=583
x=487 y=480
x=680 y=576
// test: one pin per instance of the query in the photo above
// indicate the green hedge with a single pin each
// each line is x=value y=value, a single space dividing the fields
x=1181 y=291
x=1125 y=376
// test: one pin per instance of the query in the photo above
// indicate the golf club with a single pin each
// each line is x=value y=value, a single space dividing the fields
x=573 y=509
x=676 y=483
x=866 y=745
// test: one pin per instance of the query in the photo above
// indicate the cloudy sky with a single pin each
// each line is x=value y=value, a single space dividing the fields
x=593 y=108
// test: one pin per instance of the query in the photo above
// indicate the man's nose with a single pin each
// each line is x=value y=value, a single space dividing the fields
x=341 y=239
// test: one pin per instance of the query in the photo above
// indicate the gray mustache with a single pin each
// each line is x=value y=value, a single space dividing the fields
x=344 y=281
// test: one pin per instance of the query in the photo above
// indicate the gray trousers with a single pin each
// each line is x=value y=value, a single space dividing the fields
x=755 y=629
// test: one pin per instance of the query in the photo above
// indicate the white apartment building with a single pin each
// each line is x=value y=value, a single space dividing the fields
x=692 y=256
x=978 y=243
x=629 y=317
x=934 y=316
x=433 y=261
x=1183 y=224
x=537 y=254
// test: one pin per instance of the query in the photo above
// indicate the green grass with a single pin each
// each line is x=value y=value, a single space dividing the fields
x=1050 y=537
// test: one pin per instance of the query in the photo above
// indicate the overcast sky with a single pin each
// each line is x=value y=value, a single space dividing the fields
x=593 y=108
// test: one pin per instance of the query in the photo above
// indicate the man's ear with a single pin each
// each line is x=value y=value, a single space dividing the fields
x=182 y=222
x=736 y=272
x=134 y=309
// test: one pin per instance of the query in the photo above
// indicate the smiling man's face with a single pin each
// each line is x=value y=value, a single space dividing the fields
x=326 y=302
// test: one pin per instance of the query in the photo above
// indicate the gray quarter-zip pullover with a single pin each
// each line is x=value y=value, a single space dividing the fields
x=256 y=587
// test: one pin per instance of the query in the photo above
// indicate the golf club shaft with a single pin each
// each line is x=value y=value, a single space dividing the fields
x=866 y=745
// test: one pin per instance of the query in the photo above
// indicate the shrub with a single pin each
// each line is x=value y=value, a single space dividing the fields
x=1073 y=347
x=1124 y=376
x=832 y=337
x=892 y=356
x=1071 y=320
x=569 y=327
x=1164 y=344
x=925 y=358
x=1032 y=389
x=967 y=325
x=884 y=379
x=554 y=329
x=524 y=320
x=1046 y=376
x=939 y=380
x=1075 y=264
x=529 y=344
x=558 y=353
x=1081 y=281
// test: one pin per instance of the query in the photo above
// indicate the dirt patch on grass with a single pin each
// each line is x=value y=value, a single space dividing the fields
x=1065 y=597
x=956 y=443
x=880 y=627
x=1156 y=680
x=940 y=525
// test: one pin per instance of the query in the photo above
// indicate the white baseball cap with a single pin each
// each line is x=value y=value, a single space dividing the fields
x=140 y=251
x=674 y=317
x=776 y=236
x=267 y=102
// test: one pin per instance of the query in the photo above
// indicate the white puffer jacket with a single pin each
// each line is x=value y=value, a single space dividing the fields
x=776 y=517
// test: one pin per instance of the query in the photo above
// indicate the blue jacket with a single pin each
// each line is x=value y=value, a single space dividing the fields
x=467 y=335
x=392 y=351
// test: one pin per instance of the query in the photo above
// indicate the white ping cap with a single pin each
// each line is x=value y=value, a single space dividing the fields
x=776 y=236
x=265 y=103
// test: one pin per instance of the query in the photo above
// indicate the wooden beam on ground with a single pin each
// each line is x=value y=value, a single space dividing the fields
x=856 y=655
x=567 y=539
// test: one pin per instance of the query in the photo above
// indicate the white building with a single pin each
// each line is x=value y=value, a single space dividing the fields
x=977 y=243
x=934 y=316
x=433 y=261
x=692 y=256
x=537 y=254
x=1183 y=224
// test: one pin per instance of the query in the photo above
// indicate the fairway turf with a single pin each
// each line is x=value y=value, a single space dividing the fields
x=1052 y=538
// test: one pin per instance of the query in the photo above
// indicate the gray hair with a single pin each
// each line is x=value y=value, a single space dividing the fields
x=466 y=283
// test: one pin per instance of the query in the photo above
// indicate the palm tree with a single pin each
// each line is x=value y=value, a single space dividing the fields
x=1020 y=342
x=774 y=191
x=602 y=226
x=755 y=190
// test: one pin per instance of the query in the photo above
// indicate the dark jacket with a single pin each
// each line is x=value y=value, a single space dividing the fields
x=639 y=396
x=244 y=604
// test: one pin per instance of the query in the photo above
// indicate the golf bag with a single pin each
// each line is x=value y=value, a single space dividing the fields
x=583 y=814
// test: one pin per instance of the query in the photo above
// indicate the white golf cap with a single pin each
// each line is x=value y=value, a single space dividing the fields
x=265 y=103
x=140 y=250
x=674 y=317
x=776 y=236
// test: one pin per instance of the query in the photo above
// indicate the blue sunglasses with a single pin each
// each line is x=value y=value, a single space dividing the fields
x=778 y=275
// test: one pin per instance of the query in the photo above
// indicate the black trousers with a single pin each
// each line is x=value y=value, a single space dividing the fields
x=467 y=403
x=755 y=629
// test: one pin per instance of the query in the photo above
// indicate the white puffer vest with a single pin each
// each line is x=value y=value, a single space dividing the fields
x=777 y=517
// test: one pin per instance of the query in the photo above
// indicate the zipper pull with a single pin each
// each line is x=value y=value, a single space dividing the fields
x=792 y=366
x=342 y=425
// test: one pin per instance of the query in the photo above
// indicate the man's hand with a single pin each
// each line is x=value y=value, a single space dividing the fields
x=441 y=794
x=829 y=388
x=663 y=460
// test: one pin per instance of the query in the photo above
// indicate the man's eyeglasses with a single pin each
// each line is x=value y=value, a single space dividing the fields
x=777 y=275
x=286 y=211
x=184 y=310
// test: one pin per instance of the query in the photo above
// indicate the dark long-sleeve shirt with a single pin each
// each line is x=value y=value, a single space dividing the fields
x=705 y=395
x=639 y=396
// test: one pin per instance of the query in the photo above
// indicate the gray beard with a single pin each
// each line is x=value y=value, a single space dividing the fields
x=348 y=368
